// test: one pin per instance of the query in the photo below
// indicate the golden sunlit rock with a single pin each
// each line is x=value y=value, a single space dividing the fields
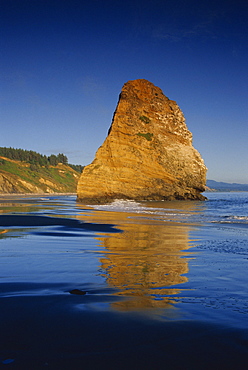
x=148 y=153
x=147 y=260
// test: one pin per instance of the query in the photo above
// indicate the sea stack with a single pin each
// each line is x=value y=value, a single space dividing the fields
x=148 y=153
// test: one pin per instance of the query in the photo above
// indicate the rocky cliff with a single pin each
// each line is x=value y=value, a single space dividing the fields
x=18 y=177
x=148 y=153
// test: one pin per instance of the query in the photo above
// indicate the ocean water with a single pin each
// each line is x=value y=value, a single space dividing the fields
x=124 y=285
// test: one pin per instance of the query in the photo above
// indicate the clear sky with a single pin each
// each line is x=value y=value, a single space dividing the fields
x=63 y=64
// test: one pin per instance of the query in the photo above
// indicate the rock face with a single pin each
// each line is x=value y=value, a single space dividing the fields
x=148 y=153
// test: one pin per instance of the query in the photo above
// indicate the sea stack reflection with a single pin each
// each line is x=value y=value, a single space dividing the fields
x=146 y=263
x=148 y=153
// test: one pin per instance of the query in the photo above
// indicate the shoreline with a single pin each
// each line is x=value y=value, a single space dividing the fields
x=16 y=195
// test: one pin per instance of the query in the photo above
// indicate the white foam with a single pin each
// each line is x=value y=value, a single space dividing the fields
x=120 y=205
x=242 y=218
x=153 y=213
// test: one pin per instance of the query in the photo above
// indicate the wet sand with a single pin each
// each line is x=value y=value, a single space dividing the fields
x=154 y=296
x=62 y=331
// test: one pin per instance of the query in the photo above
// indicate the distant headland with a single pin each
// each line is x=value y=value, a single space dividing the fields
x=148 y=153
x=28 y=172
x=225 y=186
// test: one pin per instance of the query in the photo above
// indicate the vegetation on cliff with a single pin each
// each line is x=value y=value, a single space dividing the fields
x=37 y=159
x=23 y=171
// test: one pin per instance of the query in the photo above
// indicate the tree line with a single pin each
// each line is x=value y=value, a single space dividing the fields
x=36 y=159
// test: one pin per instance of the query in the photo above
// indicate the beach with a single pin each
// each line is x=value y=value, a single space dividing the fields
x=151 y=285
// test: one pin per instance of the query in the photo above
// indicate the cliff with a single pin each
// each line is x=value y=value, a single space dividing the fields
x=21 y=177
x=148 y=153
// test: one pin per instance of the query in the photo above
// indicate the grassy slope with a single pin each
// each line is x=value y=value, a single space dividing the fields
x=32 y=179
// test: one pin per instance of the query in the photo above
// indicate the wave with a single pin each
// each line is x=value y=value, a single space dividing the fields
x=119 y=205
x=235 y=219
x=183 y=212
x=137 y=210
x=241 y=218
x=232 y=220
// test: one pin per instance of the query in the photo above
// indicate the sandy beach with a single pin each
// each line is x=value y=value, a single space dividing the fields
x=67 y=332
x=144 y=287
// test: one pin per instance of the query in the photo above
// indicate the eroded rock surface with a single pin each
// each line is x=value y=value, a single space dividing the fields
x=148 y=153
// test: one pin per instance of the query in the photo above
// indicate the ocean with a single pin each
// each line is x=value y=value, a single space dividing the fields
x=125 y=285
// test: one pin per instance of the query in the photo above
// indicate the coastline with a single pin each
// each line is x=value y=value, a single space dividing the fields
x=16 y=195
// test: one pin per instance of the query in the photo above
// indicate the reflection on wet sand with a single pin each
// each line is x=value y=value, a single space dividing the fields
x=144 y=262
x=20 y=204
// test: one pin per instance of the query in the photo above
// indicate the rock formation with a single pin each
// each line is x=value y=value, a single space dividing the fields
x=148 y=153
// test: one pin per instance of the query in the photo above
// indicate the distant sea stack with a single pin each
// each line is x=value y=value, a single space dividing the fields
x=148 y=153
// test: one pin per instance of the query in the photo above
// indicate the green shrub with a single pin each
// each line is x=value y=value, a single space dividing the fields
x=148 y=136
x=34 y=167
x=145 y=119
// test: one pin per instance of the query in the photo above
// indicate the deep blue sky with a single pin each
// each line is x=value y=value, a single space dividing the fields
x=64 y=62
